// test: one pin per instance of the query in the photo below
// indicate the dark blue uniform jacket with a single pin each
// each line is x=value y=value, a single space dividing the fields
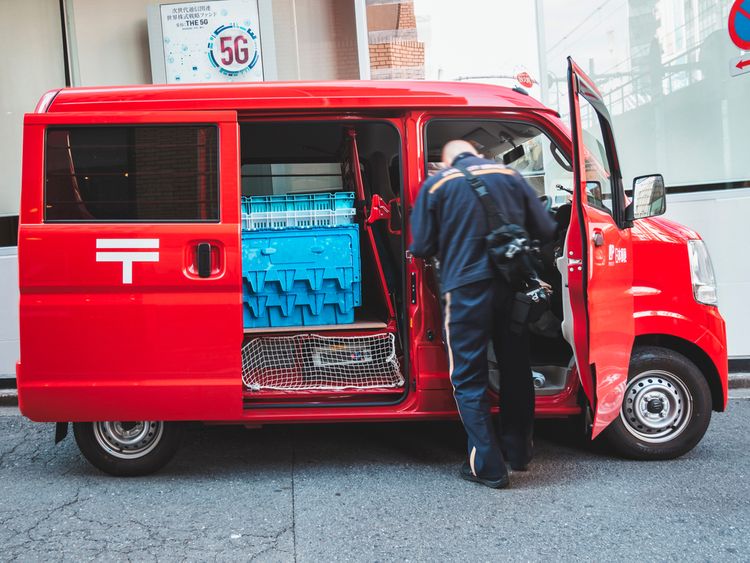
x=449 y=222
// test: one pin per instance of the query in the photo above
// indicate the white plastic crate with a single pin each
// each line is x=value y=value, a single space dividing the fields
x=307 y=218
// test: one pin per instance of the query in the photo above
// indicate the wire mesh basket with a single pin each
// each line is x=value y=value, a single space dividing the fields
x=311 y=362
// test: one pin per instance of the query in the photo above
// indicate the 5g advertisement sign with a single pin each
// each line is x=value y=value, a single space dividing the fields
x=210 y=41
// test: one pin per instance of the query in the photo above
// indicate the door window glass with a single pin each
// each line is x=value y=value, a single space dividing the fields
x=598 y=174
x=131 y=173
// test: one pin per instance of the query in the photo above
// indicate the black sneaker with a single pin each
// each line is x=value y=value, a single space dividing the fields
x=515 y=465
x=519 y=466
x=492 y=483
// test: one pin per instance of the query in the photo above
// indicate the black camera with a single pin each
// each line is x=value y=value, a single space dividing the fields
x=528 y=307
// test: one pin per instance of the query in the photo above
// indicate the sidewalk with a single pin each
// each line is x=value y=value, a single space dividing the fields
x=9 y=397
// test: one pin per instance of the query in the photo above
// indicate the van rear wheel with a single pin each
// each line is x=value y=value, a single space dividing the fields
x=128 y=449
x=666 y=408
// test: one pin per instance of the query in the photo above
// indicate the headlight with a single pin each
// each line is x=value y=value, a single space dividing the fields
x=702 y=273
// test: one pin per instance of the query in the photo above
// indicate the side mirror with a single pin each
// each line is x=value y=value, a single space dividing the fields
x=649 y=197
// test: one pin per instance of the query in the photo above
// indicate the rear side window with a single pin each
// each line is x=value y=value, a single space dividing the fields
x=131 y=173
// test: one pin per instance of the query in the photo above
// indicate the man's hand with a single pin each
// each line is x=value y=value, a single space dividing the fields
x=543 y=284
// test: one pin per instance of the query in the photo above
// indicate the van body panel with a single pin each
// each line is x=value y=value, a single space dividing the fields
x=178 y=338
x=664 y=301
x=354 y=95
x=117 y=323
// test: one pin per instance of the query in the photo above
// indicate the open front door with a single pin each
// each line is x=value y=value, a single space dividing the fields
x=598 y=256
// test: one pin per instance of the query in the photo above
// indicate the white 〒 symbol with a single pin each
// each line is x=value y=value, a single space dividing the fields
x=122 y=250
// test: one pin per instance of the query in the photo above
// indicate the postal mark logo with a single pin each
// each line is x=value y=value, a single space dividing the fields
x=127 y=251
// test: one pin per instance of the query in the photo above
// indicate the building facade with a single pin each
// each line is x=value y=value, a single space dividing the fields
x=394 y=48
x=676 y=77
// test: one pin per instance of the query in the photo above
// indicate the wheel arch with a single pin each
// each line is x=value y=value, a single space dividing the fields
x=696 y=355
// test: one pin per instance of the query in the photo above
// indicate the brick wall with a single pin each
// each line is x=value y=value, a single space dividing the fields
x=406 y=18
x=395 y=52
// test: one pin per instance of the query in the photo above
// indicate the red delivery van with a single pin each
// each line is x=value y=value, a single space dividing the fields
x=235 y=253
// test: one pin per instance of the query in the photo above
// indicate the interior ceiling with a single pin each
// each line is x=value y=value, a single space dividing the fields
x=311 y=142
x=290 y=142
x=491 y=136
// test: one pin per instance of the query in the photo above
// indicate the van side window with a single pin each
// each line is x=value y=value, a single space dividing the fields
x=131 y=173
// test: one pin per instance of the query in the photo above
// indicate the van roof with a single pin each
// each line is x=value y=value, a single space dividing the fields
x=269 y=96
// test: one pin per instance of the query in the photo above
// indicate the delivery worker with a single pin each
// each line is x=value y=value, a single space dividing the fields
x=449 y=222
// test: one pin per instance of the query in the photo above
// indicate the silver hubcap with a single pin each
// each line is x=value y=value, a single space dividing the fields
x=128 y=440
x=657 y=406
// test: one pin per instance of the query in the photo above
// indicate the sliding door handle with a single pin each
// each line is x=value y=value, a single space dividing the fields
x=203 y=250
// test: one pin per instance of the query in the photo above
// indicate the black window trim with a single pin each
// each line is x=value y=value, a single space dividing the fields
x=396 y=122
x=218 y=220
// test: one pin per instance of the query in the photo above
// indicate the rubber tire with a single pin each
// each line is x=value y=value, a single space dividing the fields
x=149 y=463
x=646 y=358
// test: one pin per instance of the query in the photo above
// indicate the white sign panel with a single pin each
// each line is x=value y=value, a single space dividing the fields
x=739 y=66
x=216 y=41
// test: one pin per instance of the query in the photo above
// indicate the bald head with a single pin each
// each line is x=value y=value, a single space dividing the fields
x=453 y=148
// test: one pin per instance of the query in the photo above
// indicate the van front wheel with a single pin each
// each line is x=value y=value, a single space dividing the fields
x=128 y=449
x=666 y=408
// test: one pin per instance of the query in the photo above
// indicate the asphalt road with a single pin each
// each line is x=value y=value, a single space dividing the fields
x=373 y=493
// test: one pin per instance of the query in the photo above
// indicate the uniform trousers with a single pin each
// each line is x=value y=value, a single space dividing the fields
x=474 y=314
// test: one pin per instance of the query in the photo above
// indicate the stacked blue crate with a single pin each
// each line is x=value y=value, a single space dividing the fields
x=300 y=276
x=298 y=202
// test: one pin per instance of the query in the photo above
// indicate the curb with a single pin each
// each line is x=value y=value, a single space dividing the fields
x=8 y=398
x=739 y=380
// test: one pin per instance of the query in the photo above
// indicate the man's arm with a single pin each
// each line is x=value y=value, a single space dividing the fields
x=539 y=223
x=424 y=225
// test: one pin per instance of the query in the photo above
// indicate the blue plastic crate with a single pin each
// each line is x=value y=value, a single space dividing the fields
x=263 y=220
x=300 y=307
x=301 y=277
x=329 y=201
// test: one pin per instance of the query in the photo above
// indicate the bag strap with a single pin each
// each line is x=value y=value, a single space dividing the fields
x=495 y=217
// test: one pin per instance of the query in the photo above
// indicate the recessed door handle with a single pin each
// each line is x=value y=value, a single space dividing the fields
x=598 y=238
x=204 y=259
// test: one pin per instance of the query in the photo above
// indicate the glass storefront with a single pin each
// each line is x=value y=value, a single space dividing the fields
x=668 y=70
x=664 y=69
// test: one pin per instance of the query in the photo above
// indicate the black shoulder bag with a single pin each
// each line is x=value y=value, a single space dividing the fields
x=508 y=248
x=507 y=243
